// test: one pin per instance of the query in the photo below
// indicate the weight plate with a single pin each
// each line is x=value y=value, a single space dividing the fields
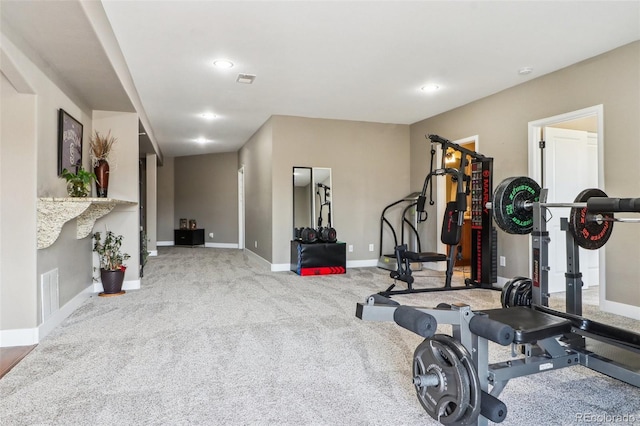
x=456 y=397
x=475 y=389
x=588 y=233
x=509 y=199
x=506 y=291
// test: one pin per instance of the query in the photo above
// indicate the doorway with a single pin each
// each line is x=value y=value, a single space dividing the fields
x=241 y=208
x=445 y=190
x=568 y=160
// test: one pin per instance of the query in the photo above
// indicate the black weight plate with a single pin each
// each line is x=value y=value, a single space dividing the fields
x=509 y=197
x=506 y=291
x=475 y=390
x=449 y=400
x=513 y=297
x=586 y=232
x=523 y=294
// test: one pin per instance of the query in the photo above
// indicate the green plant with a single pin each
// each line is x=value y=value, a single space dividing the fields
x=78 y=183
x=111 y=257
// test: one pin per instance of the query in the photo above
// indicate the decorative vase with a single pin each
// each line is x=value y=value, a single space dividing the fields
x=112 y=281
x=78 y=189
x=101 y=171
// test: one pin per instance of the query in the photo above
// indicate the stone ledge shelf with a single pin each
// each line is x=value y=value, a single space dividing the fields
x=53 y=213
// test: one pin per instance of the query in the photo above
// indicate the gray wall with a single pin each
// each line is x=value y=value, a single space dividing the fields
x=166 y=215
x=206 y=190
x=256 y=157
x=369 y=170
x=500 y=120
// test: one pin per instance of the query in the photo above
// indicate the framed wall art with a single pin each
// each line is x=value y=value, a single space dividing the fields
x=69 y=142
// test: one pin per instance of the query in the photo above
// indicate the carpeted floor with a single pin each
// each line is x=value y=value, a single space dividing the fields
x=213 y=338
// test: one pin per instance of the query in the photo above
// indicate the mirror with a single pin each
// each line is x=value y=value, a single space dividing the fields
x=302 y=198
x=322 y=204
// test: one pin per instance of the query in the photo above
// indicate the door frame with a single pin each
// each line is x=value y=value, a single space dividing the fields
x=441 y=187
x=533 y=131
x=241 y=208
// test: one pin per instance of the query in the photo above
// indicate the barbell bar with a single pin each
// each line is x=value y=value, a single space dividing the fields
x=512 y=208
x=592 y=217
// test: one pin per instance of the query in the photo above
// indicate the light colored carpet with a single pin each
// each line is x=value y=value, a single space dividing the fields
x=213 y=338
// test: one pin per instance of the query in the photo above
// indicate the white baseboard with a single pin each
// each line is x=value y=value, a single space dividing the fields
x=222 y=245
x=32 y=336
x=362 y=263
x=280 y=267
x=153 y=253
x=127 y=285
x=258 y=258
x=618 y=308
x=164 y=243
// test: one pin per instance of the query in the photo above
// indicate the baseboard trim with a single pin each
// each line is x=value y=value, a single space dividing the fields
x=164 y=243
x=362 y=263
x=222 y=245
x=32 y=336
x=127 y=285
x=280 y=267
x=618 y=308
x=153 y=253
x=252 y=255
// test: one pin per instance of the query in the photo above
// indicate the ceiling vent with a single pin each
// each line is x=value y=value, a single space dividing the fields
x=245 y=78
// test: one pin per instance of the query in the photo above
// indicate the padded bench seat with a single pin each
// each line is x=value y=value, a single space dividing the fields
x=529 y=324
x=425 y=257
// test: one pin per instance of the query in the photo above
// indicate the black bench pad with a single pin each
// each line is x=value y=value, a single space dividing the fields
x=529 y=324
x=425 y=257
x=618 y=335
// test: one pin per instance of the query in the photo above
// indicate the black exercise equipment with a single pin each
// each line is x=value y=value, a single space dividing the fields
x=590 y=221
x=450 y=236
x=389 y=261
x=484 y=269
x=325 y=234
x=454 y=382
x=608 y=350
x=306 y=235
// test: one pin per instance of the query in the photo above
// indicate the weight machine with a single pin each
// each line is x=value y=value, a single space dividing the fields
x=483 y=250
x=453 y=379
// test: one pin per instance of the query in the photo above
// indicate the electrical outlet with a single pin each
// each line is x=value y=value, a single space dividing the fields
x=503 y=261
x=350 y=248
x=370 y=247
x=255 y=243
x=210 y=234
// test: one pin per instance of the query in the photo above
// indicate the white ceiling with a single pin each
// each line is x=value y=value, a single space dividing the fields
x=351 y=60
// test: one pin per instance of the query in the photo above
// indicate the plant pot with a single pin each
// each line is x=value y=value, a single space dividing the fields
x=102 y=178
x=78 y=189
x=112 y=281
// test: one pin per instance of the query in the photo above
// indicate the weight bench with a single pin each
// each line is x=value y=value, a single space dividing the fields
x=461 y=360
x=450 y=236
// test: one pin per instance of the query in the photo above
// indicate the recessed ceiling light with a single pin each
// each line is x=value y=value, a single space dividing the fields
x=223 y=63
x=208 y=115
x=525 y=70
x=429 y=88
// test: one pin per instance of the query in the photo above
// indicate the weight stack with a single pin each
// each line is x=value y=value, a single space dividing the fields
x=494 y=255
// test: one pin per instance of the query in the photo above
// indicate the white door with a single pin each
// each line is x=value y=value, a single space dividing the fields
x=570 y=166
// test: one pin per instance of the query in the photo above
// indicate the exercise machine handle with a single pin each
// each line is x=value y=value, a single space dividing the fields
x=612 y=205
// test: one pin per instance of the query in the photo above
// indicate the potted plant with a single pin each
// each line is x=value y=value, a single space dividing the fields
x=100 y=148
x=111 y=258
x=78 y=183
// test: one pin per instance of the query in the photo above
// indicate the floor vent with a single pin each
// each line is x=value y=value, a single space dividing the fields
x=49 y=293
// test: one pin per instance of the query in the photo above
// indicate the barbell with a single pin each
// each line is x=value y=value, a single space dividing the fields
x=590 y=220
